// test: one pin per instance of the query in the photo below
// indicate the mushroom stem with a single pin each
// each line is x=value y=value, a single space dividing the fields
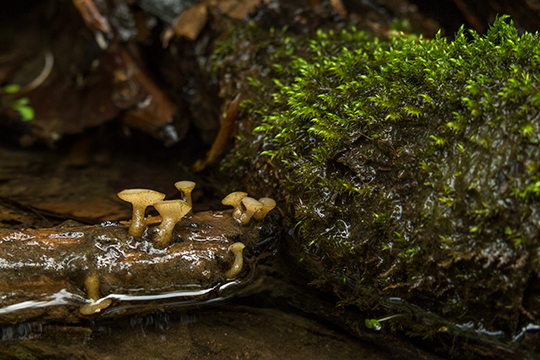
x=91 y=284
x=171 y=212
x=137 y=226
x=140 y=199
x=238 y=263
x=164 y=232
x=186 y=187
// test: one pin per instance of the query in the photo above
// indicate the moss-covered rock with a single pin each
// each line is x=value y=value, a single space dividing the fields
x=412 y=171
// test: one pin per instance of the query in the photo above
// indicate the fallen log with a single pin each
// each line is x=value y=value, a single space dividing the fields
x=73 y=271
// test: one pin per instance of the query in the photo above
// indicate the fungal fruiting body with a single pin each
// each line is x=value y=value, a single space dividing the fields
x=252 y=206
x=91 y=283
x=268 y=204
x=200 y=257
x=234 y=199
x=171 y=212
x=185 y=187
x=238 y=263
x=140 y=199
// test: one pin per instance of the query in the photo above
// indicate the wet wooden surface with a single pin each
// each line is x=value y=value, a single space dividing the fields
x=39 y=266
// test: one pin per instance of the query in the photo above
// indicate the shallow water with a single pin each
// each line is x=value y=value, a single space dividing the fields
x=228 y=332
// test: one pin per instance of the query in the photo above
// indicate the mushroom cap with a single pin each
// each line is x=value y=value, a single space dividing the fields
x=172 y=209
x=143 y=197
x=237 y=247
x=234 y=198
x=94 y=307
x=185 y=185
x=268 y=203
x=251 y=204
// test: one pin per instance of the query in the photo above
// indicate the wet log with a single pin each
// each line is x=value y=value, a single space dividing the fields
x=44 y=273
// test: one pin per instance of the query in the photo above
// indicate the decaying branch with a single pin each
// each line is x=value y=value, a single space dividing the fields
x=65 y=273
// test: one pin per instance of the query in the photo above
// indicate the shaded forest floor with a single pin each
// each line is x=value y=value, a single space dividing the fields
x=79 y=180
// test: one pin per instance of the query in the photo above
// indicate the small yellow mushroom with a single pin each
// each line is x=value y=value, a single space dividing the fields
x=252 y=206
x=171 y=212
x=185 y=187
x=91 y=283
x=268 y=204
x=235 y=199
x=238 y=262
x=140 y=199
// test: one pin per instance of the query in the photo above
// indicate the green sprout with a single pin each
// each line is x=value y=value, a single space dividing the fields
x=20 y=105
x=375 y=324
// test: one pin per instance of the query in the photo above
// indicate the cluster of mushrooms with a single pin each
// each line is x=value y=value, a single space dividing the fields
x=172 y=211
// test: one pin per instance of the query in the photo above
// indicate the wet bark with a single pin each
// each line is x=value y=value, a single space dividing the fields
x=43 y=271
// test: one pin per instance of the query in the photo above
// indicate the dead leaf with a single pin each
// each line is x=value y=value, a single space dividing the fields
x=191 y=21
x=96 y=210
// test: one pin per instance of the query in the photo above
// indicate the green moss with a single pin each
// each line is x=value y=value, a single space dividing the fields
x=412 y=163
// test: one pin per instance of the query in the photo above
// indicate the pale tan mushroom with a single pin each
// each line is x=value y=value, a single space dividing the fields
x=235 y=199
x=171 y=212
x=268 y=204
x=252 y=206
x=238 y=263
x=140 y=199
x=186 y=187
x=91 y=283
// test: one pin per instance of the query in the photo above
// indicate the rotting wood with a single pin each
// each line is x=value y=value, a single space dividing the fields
x=43 y=272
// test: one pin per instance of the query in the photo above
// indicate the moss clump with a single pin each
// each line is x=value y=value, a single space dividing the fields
x=413 y=168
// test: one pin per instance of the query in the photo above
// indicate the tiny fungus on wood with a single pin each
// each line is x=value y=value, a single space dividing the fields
x=140 y=199
x=185 y=187
x=234 y=199
x=171 y=212
x=268 y=204
x=238 y=263
x=91 y=283
x=252 y=206
x=206 y=249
